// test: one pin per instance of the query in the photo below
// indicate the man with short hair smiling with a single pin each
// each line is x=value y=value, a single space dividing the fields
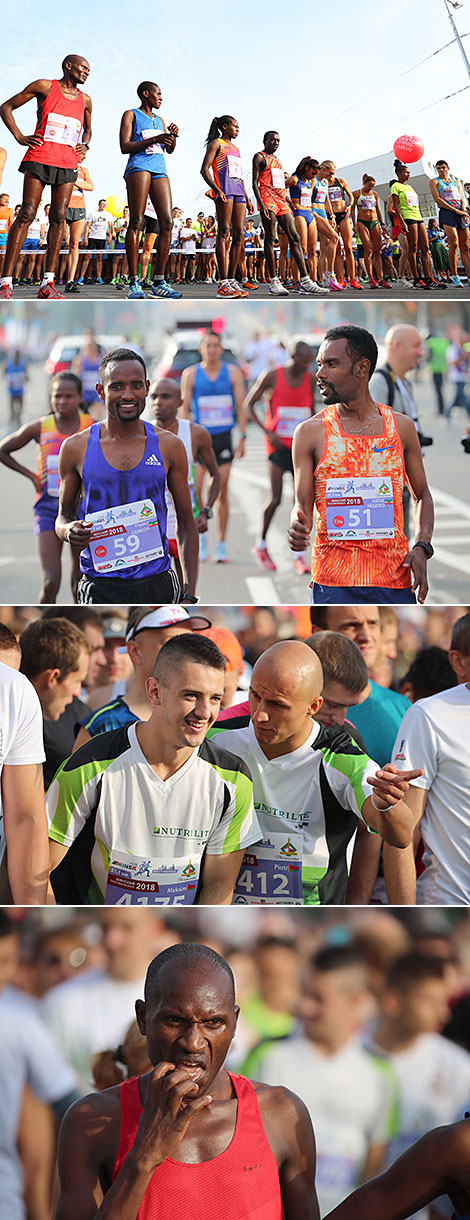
x=170 y=813
x=351 y=462
x=188 y=1138
x=119 y=470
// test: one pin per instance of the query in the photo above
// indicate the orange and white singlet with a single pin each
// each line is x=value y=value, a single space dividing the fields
x=272 y=185
x=359 y=539
x=50 y=442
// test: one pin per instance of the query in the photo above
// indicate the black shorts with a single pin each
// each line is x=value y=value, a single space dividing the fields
x=339 y=217
x=73 y=214
x=223 y=446
x=114 y=591
x=150 y=225
x=446 y=217
x=49 y=175
x=283 y=459
x=96 y=243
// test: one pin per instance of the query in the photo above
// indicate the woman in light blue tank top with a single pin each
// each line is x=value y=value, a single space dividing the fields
x=144 y=136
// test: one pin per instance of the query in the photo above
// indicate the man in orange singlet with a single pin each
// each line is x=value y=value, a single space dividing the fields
x=289 y=391
x=350 y=463
x=269 y=188
x=188 y=1138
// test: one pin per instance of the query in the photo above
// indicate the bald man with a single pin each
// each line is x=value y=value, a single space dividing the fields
x=312 y=786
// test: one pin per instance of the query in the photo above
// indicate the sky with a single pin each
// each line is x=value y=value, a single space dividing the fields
x=295 y=71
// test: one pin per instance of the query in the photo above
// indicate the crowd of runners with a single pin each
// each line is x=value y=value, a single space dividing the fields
x=345 y=1023
x=127 y=494
x=317 y=232
x=189 y=761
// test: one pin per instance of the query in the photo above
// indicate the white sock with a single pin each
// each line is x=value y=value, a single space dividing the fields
x=274 y=278
x=7 y=279
x=48 y=278
x=262 y=544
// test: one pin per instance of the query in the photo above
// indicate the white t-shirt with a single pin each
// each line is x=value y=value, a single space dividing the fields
x=34 y=230
x=349 y=1099
x=433 y=1079
x=21 y=739
x=99 y=224
x=435 y=735
x=188 y=247
x=457 y=363
x=300 y=800
x=28 y=1056
x=88 y=1014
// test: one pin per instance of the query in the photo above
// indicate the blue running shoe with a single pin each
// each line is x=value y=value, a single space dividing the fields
x=136 y=292
x=164 y=290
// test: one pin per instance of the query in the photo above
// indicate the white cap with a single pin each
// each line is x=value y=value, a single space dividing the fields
x=168 y=616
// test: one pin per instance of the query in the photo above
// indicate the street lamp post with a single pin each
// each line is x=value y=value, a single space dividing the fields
x=450 y=4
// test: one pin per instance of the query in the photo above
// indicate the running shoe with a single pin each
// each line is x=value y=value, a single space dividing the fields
x=263 y=558
x=49 y=292
x=404 y=283
x=227 y=290
x=356 y=284
x=301 y=567
x=240 y=290
x=5 y=292
x=384 y=284
x=162 y=289
x=329 y=281
x=250 y=285
x=203 y=548
x=373 y=284
x=136 y=292
x=71 y=286
x=80 y=281
x=276 y=289
x=221 y=555
x=312 y=289
x=457 y=281
x=99 y=280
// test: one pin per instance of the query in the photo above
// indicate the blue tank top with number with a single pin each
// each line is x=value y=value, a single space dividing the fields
x=151 y=159
x=449 y=192
x=106 y=488
x=89 y=376
x=213 y=402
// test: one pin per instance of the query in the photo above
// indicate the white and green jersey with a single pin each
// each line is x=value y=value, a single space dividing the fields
x=138 y=839
x=308 y=804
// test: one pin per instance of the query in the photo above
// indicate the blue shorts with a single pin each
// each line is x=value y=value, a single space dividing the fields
x=45 y=513
x=451 y=219
x=331 y=595
x=320 y=212
x=30 y=243
x=135 y=170
x=307 y=215
x=3 y=240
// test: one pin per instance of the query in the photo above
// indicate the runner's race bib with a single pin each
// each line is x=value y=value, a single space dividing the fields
x=335 y=195
x=62 y=129
x=3 y=226
x=271 y=872
x=53 y=479
x=89 y=380
x=367 y=203
x=278 y=179
x=288 y=418
x=306 y=199
x=16 y=381
x=234 y=167
x=336 y=1173
x=152 y=148
x=360 y=508
x=135 y=881
x=216 y=411
x=411 y=198
x=125 y=536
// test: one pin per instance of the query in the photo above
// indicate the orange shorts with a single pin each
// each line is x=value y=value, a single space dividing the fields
x=273 y=200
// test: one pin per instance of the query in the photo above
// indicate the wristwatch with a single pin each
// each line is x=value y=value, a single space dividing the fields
x=208 y=512
x=190 y=598
x=426 y=547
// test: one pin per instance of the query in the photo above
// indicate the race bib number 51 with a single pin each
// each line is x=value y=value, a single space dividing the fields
x=360 y=508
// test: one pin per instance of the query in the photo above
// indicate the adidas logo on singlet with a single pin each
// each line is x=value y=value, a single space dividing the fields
x=152 y=461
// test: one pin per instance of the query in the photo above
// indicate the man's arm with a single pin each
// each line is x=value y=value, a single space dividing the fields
x=414 y=1180
x=263 y=384
x=67 y=528
x=399 y=866
x=238 y=387
x=186 y=528
x=364 y=867
x=187 y=383
x=204 y=453
x=37 y=89
x=386 y=810
x=218 y=877
x=307 y=437
x=83 y=146
x=259 y=164
x=25 y=833
x=423 y=504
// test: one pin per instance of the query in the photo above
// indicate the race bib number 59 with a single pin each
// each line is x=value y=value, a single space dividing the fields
x=124 y=536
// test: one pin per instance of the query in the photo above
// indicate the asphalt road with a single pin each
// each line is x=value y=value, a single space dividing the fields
x=241 y=581
x=208 y=292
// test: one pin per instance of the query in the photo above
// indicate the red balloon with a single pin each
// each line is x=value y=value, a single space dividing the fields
x=408 y=149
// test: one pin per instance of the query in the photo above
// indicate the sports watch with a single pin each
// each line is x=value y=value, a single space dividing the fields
x=426 y=547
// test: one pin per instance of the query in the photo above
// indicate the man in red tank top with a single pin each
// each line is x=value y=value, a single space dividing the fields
x=189 y=1138
x=290 y=393
x=61 y=138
